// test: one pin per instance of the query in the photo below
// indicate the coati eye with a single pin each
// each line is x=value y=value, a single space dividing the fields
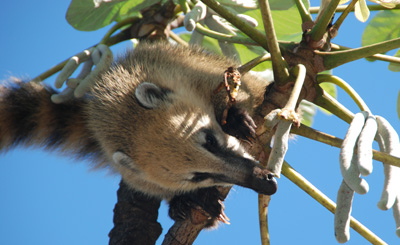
x=211 y=143
x=211 y=140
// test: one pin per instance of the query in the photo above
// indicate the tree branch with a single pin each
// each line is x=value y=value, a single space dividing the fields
x=135 y=218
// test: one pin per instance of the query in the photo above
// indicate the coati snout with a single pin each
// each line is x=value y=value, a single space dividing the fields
x=178 y=146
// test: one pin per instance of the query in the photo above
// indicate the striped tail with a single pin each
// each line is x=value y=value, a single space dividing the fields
x=29 y=118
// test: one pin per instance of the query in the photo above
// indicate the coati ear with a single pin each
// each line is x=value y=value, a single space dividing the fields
x=151 y=96
x=122 y=159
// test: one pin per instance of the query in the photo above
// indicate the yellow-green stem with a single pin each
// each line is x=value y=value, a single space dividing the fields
x=305 y=15
x=331 y=140
x=346 y=87
x=278 y=65
x=319 y=29
x=320 y=197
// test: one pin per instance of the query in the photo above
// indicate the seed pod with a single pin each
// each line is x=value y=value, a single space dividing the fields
x=67 y=71
x=389 y=142
x=343 y=212
x=396 y=215
x=253 y=22
x=105 y=61
x=198 y=13
x=348 y=165
x=279 y=148
x=65 y=95
x=71 y=66
x=364 y=144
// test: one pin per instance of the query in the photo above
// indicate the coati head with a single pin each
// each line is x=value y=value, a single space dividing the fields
x=164 y=142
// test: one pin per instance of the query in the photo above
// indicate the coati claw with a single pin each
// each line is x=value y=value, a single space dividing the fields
x=240 y=125
x=207 y=200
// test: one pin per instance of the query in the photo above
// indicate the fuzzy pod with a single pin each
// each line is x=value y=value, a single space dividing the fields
x=396 y=215
x=196 y=38
x=104 y=62
x=198 y=13
x=229 y=50
x=71 y=66
x=347 y=159
x=388 y=142
x=67 y=71
x=364 y=145
x=253 y=22
x=343 y=212
x=65 y=95
x=279 y=148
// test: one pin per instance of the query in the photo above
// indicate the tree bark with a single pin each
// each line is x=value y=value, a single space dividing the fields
x=135 y=218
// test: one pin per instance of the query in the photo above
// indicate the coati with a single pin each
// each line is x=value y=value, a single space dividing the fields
x=152 y=116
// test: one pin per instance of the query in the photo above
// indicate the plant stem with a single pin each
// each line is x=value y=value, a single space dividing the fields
x=263 y=203
x=120 y=37
x=329 y=103
x=245 y=27
x=317 y=32
x=305 y=15
x=320 y=197
x=381 y=57
x=337 y=58
x=278 y=65
x=300 y=71
x=346 y=87
x=243 y=69
x=177 y=39
x=372 y=7
x=344 y=14
x=117 y=26
x=224 y=37
x=331 y=140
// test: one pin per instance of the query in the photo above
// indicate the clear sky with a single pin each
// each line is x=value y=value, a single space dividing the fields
x=47 y=199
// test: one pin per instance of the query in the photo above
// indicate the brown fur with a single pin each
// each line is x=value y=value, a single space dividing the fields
x=164 y=145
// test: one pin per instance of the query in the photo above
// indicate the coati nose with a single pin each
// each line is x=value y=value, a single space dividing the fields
x=263 y=181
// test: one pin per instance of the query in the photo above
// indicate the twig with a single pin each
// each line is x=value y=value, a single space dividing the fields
x=331 y=140
x=320 y=27
x=381 y=57
x=320 y=197
x=224 y=37
x=305 y=15
x=278 y=65
x=346 y=87
x=335 y=59
x=344 y=14
x=253 y=63
x=242 y=25
x=342 y=8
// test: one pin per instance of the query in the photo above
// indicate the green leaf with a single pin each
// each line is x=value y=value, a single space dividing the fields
x=361 y=10
x=133 y=7
x=287 y=23
x=395 y=66
x=84 y=16
x=384 y=26
x=330 y=88
x=308 y=111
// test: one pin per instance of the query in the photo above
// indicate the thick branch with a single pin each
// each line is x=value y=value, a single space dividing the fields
x=135 y=218
x=338 y=58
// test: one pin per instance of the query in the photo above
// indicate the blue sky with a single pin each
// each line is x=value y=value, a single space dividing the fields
x=48 y=199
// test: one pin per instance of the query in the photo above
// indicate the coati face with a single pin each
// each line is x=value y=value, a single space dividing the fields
x=171 y=143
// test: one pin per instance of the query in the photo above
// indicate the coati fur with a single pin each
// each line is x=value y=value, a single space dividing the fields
x=152 y=116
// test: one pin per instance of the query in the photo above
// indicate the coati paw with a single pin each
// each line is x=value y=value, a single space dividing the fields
x=206 y=202
x=240 y=124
